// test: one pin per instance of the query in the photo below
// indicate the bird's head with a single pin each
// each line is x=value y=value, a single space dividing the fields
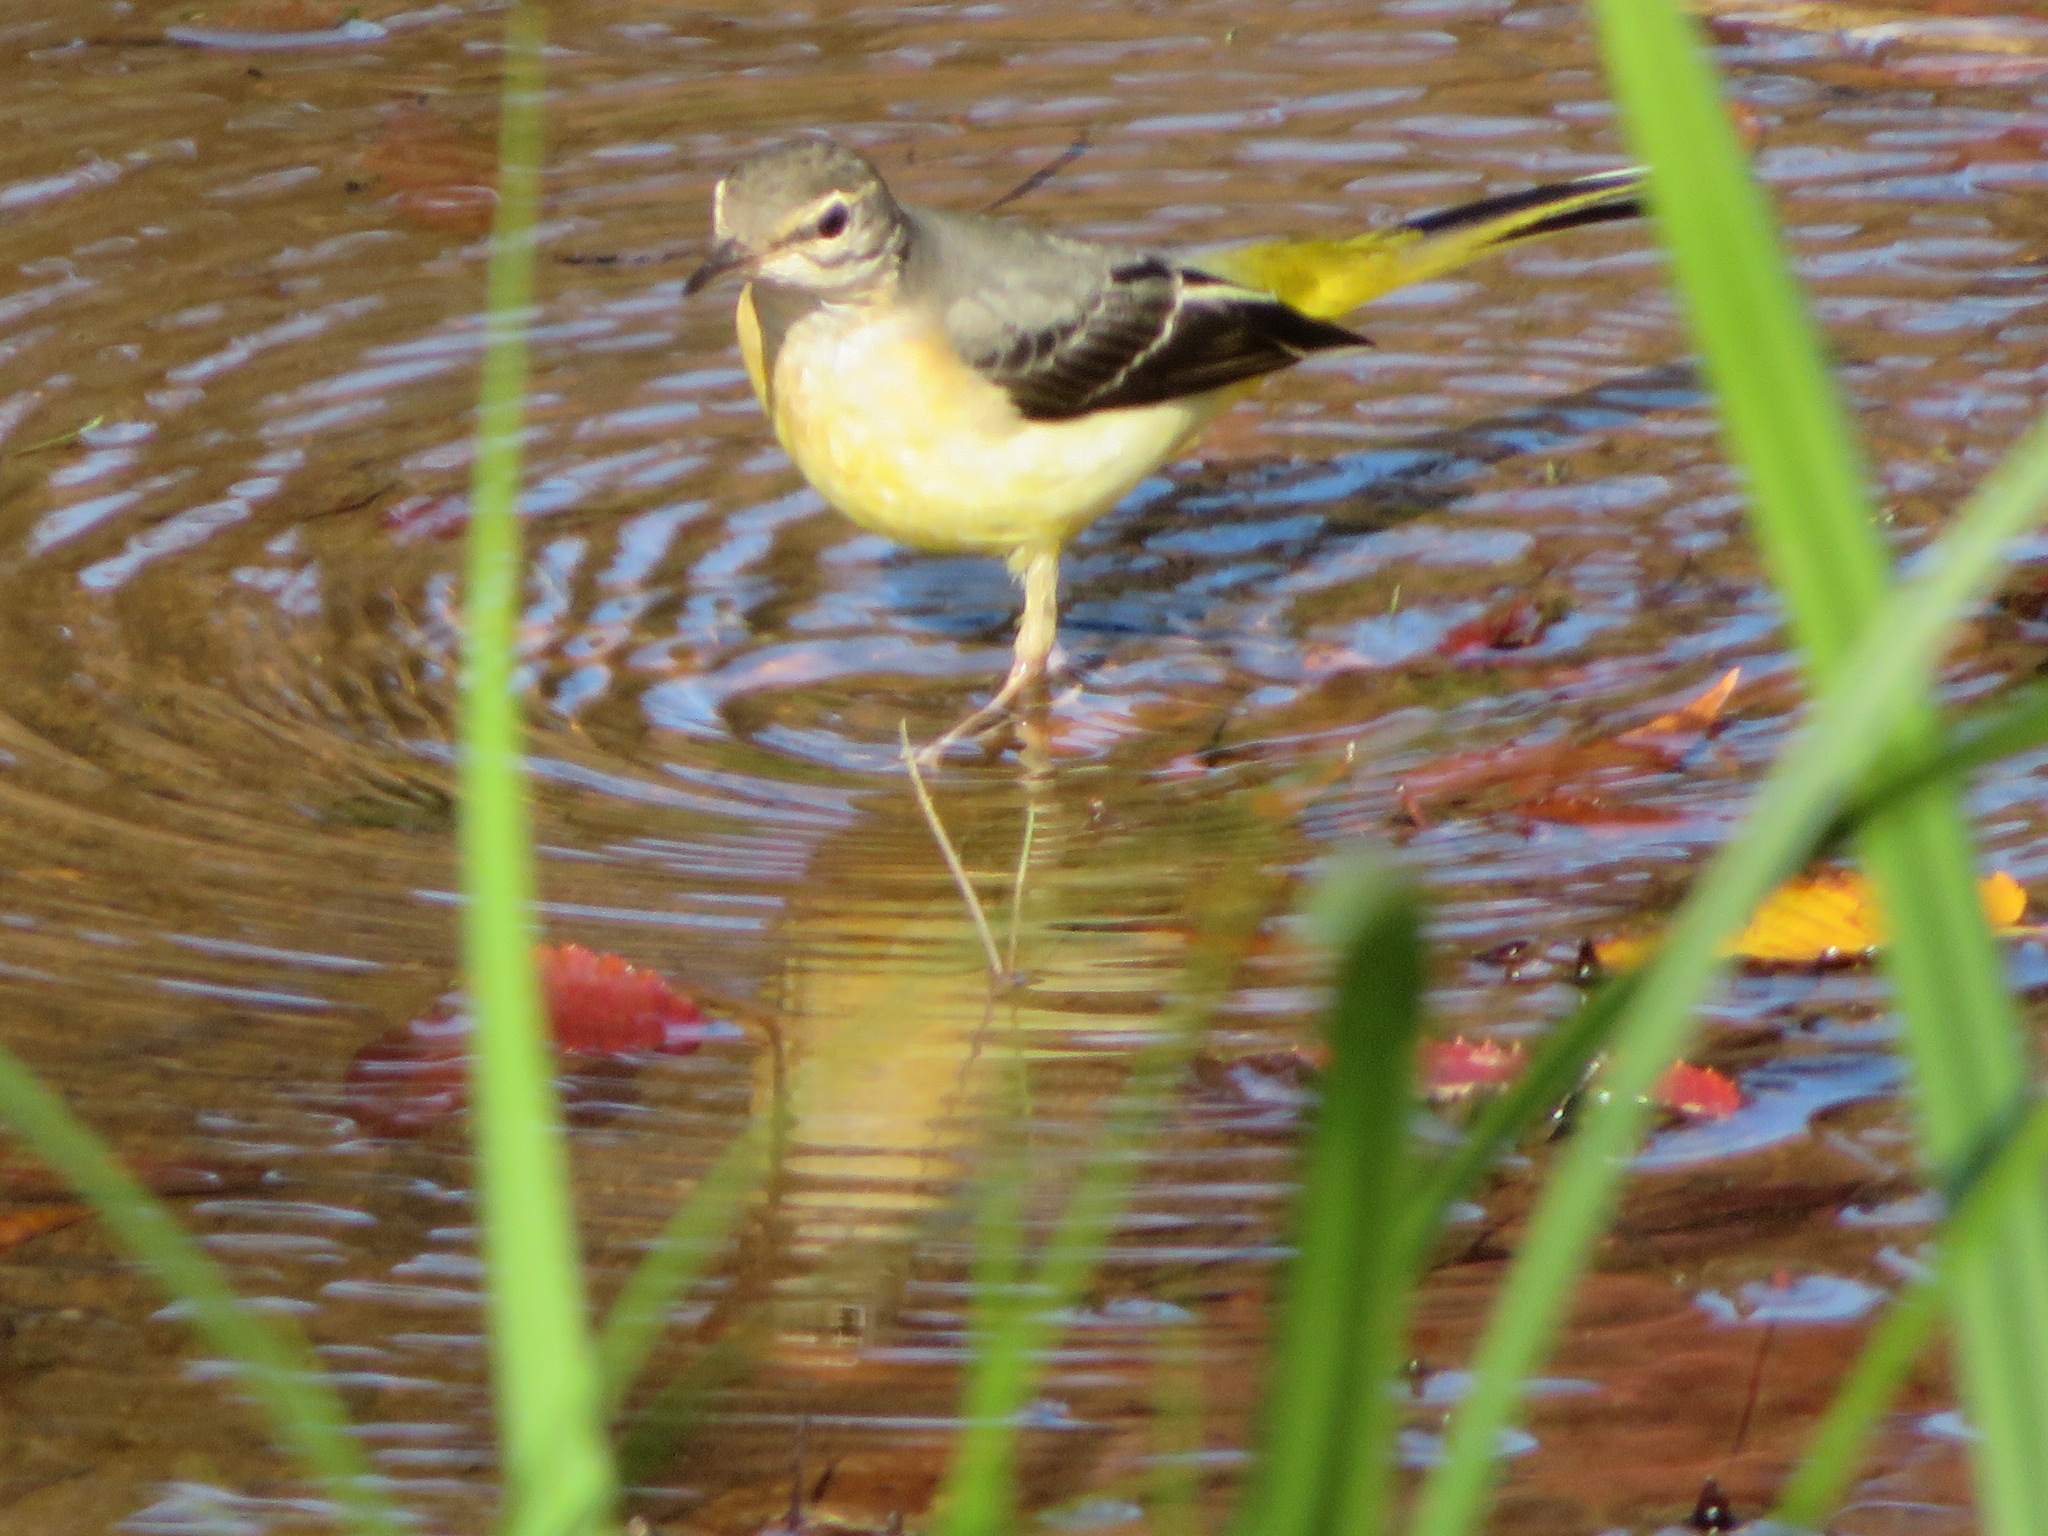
x=809 y=213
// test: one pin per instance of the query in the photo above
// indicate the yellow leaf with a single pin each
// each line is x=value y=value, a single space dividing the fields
x=1813 y=920
x=1624 y=954
x=2004 y=902
x=1828 y=918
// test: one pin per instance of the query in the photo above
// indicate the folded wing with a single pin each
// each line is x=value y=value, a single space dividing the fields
x=1147 y=332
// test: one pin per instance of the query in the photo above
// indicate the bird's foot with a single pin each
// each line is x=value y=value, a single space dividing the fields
x=999 y=713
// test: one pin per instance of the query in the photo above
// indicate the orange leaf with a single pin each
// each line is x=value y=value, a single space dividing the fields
x=455 y=210
x=275 y=16
x=439 y=173
x=1833 y=916
x=17 y=1227
x=419 y=148
x=1676 y=734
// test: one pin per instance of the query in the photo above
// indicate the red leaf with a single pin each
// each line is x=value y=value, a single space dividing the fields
x=1513 y=624
x=1698 y=1092
x=1455 y=1067
x=602 y=1005
x=604 y=1011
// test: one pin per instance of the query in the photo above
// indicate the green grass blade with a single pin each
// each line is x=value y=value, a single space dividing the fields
x=1325 y=1464
x=1881 y=1369
x=1781 y=413
x=679 y=1407
x=1786 y=425
x=1812 y=515
x=978 y=1496
x=1907 y=1326
x=554 y=1462
x=1975 y=740
x=1970 y=1061
x=696 y=1232
x=278 y=1367
x=1886 y=672
x=1173 y=1492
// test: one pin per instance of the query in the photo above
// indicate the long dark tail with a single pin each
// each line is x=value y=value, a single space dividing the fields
x=1330 y=278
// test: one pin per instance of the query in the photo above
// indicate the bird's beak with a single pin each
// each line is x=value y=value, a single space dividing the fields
x=726 y=256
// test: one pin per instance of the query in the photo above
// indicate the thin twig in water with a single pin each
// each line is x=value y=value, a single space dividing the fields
x=633 y=259
x=61 y=440
x=1043 y=174
x=1017 y=889
x=931 y=819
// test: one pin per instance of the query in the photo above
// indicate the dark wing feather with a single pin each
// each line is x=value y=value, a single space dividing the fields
x=1153 y=332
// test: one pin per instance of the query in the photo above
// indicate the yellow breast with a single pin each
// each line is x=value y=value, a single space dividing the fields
x=896 y=431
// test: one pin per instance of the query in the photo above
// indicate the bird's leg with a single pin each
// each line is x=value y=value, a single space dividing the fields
x=1040 y=569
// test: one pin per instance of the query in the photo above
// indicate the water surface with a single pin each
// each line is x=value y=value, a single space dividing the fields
x=239 y=329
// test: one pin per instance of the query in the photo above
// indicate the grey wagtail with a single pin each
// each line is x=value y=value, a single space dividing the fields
x=962 y=382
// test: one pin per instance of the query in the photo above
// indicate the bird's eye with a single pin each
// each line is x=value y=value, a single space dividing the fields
x=833 y=221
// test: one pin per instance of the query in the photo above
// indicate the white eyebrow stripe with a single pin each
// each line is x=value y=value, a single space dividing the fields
x=812 y=211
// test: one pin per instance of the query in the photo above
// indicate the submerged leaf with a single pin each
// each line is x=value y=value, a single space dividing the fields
x=604 y=1005
x=604 y=1009
x=1556 y=774
x=438 y=173
x=1596 y=813
x=1456 y=1067
x=1513 y=624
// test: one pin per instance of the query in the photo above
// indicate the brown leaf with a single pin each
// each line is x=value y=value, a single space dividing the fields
x=439 y=173
x=1560 y=769
x=1595 y=812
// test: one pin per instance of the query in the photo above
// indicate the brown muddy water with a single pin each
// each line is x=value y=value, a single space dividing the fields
x=240 y=261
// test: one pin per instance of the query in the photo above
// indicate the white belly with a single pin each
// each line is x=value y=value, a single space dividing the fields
x=900 y=435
